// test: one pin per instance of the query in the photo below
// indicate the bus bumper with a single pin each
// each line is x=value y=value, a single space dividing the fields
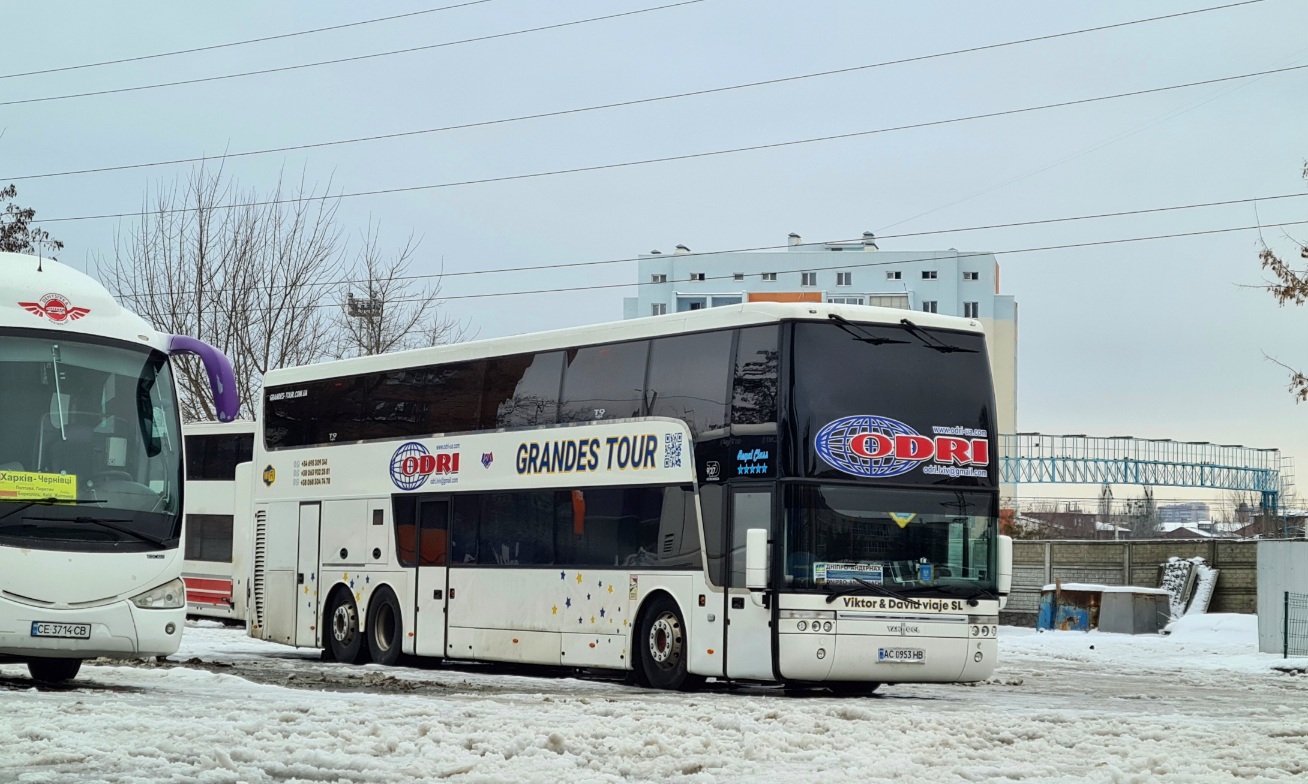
x=884 y=650
x=118 y=631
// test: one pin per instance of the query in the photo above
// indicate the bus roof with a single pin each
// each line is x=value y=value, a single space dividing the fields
x=722 y=317
x=40 y=293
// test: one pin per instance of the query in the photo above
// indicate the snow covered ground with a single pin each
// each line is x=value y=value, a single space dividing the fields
x=1200 y=705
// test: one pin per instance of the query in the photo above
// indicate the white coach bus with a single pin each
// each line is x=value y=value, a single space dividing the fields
x=803 y=494
x=90 y=472
x=216 y=539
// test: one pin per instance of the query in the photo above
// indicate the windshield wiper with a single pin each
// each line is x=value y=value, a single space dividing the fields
x=970 y=593
x=848 y=326
x=49 y=501
x=933 y=342
x=111 y=525
x=834 y=594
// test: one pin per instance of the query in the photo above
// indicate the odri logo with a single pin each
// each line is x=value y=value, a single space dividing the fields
x=413 y=464
x=878 y=447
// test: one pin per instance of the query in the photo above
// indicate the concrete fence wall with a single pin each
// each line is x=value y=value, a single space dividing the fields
x=1137 y=562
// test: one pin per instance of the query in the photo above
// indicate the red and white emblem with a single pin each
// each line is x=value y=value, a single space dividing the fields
x=54 y=307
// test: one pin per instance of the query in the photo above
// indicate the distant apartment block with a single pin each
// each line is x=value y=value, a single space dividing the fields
x=1191 y=512
x=949 y=282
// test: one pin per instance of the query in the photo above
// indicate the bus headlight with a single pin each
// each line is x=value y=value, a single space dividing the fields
x=169 y=596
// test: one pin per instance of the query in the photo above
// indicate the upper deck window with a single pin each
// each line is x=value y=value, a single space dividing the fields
x=604 y=382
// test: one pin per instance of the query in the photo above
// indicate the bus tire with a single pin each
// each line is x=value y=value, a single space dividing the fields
x=663 y=647
x=53 y=670
x=343 y=637
x=385 y=627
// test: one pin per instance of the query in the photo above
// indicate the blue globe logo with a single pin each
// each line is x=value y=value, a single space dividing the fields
x=407 y=466
x=833 y=445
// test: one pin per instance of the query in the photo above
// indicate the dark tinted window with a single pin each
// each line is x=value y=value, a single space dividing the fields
x=611 y=526
x=317 y=412
x=422 y=401
x=209 y=538
x=754 y=382
x=517 y=529
x=933 y=382
x=604 y=382
x=712 y=502
x=214 y=457
x=690 y=379
x=522 y=391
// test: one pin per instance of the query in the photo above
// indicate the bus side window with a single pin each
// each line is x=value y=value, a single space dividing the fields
x=711 y=501
x=403 y=509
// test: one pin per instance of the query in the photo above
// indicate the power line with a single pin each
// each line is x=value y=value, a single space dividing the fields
x=693 y=156
x=754 y=248
x=355 y=58
x=845 y=265
x=621 y=104
x=212 y=47
x=848 y=266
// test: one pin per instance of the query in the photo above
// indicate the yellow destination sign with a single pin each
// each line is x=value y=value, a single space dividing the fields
x=31 y=486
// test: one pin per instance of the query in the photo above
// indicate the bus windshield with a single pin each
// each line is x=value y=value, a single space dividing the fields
x=889 y=540
x=89 y=457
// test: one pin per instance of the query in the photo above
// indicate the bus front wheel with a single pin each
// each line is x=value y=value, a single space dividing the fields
x=343 y=638
x=385 y=628
x=54 y=670
x=663 y=647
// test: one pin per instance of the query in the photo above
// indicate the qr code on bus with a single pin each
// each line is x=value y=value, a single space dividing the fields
x=672 y=450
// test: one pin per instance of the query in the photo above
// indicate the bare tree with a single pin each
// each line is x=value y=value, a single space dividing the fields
x=1290 y=286
x=254 y=274
x=391 y=310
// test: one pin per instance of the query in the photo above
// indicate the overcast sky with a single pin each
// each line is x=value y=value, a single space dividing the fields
x=1155 y=339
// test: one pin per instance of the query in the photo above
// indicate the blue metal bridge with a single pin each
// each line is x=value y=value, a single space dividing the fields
x=1126 y=460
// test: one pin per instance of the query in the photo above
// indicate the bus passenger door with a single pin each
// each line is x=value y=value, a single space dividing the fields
x=306 y=577
x=433 y=557
x=749 y=631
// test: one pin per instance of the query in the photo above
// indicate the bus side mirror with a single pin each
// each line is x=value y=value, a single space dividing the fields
x=219 y=369
x=1005 y=581
x=756 y=559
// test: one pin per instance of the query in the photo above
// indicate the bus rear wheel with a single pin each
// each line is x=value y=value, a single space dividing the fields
x=663 y=647
x=54 y=670
x=385 y=628
x=343 y=638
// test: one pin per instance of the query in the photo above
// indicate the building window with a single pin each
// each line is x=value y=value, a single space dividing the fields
x=928 y=274
x=971 y=276
x=658 y=278
x=972 y=310
x=696 y=276
x=889 y=301
x=737 y=276
x=844 y=278
x=845 y=300
x=769 y=276
x=895 y=275
x=808 y=278
x=660 y=309
x=929 y=306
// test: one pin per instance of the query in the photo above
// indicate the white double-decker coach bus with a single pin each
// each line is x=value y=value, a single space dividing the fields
x=766 y=492
x=216 y=539
x=90 y=472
